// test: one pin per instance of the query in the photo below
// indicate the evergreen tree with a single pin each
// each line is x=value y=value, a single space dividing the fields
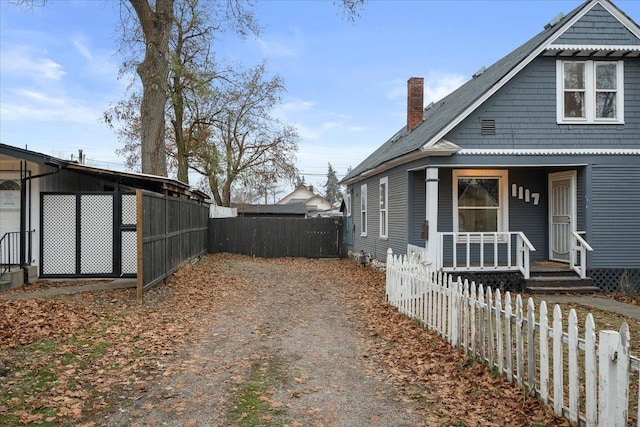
x=332 y=187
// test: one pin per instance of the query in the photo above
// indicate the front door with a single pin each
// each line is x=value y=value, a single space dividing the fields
x=562 y=214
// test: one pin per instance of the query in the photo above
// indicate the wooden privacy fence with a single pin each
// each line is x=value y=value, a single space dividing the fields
x=277 y=237
x=170 y=232
x=591 y=379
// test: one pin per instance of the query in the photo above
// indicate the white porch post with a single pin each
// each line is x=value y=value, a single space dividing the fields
x=433 y=242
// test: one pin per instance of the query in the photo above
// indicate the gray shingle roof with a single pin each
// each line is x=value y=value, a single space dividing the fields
x=443 y=112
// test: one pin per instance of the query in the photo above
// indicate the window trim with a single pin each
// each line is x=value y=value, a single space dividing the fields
x=364 y=217
x=503 y=187
x=590 y=94
x=384 y=219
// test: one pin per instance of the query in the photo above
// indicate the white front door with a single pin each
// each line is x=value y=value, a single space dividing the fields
x=562 y=214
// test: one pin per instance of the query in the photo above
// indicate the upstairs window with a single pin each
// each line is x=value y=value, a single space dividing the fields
x=363 y=210
x=384 y=196
x=590 y=92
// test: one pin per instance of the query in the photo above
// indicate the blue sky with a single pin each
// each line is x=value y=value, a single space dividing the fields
x=346 y=82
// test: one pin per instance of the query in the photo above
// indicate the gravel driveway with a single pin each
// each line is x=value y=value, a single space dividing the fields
x=287 y=347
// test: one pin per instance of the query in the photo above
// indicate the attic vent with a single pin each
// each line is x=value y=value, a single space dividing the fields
x=554 y=21
x=487 y=127
x=479 y=72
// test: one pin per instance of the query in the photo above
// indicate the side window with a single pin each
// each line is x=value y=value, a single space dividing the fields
x=363 y=210
x=347 y=202
x=384 y=199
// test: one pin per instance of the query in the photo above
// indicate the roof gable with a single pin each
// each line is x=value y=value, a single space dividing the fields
x=441 y=117
x=598 y=26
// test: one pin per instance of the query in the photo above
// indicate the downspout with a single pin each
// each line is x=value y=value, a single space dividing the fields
x=23 y=206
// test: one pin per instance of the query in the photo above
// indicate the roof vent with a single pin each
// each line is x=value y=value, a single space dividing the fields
x=428 y=106
x=554 y=21
x=479 y=72
x=487 y=127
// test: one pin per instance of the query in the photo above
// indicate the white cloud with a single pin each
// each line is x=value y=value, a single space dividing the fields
x=437 y=85
x=26 y=62
x=276 y=49
x=34 y=106
x=82 y=49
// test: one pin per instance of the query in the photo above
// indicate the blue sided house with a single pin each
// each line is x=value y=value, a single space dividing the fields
x=530 y=167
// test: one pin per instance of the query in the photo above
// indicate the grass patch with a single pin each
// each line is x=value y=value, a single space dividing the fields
x=253 y=404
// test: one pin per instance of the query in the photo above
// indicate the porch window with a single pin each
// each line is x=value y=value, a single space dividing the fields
x=363 y=210
x=590 y=91
x=384 y=218
x=480 y=201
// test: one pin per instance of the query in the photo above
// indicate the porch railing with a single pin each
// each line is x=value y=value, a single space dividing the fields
x=579 y=249
x=418 y=253
x=495 y=251
x=9 y=251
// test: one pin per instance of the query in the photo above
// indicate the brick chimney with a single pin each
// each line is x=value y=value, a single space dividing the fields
x=415 y=102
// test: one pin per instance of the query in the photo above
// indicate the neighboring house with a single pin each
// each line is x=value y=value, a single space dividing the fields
x=290 y=210
x=532 y=162
x=64 y=219
x=315 y=203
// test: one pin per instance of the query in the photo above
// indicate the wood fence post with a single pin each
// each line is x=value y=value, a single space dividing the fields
x=388 y=273
x=490 y=331
x=499 y=339
x=591 y=391
x=481 y=323
x=531 y=348
x=508 y=315
x=613 y=361
x=544 y=353
x=558 y=380
x=519 y=342
x=574 y=375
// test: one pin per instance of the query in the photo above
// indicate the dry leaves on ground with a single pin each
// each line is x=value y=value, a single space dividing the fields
x=72 y=357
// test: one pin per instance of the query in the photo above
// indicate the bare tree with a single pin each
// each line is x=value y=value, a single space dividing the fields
x=156 y=19
x=244 y=140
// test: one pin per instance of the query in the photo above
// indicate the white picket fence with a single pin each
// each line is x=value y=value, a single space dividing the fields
x=588 y=379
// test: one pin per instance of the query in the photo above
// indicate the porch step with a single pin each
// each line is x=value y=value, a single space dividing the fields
x=559 y=283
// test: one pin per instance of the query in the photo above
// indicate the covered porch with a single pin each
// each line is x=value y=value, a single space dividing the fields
x=501 y=219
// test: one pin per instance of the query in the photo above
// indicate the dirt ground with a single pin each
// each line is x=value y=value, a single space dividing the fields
x=286 y=336
x=237 y=341
x=293 y=345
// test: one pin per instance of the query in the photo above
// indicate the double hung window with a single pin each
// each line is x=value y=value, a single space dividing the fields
x=363 y=210
x=384 y=217
x=590 y=91
x=480 y=201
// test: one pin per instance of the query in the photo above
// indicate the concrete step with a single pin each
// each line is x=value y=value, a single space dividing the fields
x=554 y=283
x=562 y=289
